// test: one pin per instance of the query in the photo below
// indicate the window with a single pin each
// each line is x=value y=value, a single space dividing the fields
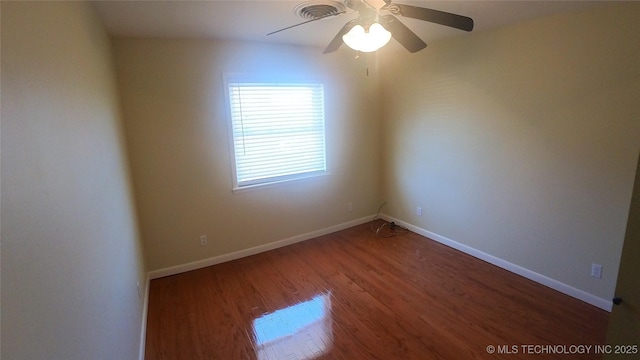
x=277 y=131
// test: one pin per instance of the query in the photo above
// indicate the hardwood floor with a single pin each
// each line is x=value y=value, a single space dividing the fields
x=351 y=295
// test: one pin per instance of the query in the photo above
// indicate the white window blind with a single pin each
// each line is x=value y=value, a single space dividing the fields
x=278 y=131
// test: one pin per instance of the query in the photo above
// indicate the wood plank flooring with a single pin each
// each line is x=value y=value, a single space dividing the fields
x=352 y=295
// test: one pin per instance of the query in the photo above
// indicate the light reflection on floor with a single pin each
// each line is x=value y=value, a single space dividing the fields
x=298 y=332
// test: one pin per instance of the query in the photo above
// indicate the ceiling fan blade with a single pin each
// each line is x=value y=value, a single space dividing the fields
x=435 y=16
x=306 y=22
x=337 y=40
x=402 y=34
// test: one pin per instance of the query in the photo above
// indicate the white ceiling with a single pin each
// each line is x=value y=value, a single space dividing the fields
x=252 y=20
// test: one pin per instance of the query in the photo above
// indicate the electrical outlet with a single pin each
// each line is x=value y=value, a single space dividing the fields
x=596 y=271
x=349 y=206
x=203 y=240
x=419 y=211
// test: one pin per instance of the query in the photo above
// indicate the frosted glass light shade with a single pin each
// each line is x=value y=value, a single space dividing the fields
x=359 y=39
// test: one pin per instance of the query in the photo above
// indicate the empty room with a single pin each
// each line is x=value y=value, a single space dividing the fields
x=322 y=179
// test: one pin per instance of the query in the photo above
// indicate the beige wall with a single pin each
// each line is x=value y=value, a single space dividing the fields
x=175 y=118
x=71 y=257
x=521 y=142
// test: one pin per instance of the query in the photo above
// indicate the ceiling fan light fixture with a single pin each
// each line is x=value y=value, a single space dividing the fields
x=367 y=41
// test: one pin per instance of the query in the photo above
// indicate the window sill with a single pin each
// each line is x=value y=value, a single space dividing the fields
x=277 y=183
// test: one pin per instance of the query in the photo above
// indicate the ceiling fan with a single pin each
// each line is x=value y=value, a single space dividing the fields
x=377 y=23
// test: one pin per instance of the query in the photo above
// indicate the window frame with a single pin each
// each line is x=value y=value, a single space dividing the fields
x=230 y=78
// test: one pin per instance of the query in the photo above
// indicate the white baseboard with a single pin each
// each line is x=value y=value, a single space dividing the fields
x=254 y=250
x=516 y=269
x=143 y=329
